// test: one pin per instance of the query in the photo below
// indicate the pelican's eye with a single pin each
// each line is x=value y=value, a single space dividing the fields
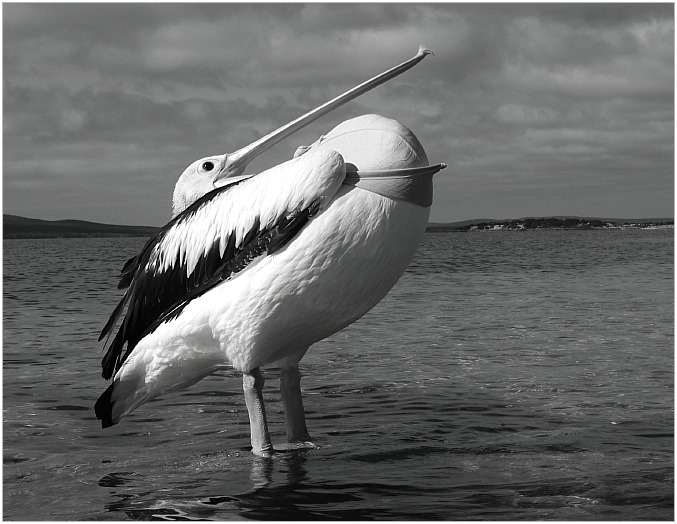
x=207 y=167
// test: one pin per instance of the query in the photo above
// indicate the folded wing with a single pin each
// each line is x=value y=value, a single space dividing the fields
x=212 y=241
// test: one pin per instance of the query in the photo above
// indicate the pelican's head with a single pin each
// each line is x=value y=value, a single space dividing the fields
x=208 y=173
x=205 y=175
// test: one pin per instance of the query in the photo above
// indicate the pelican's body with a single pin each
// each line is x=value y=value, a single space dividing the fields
x=256 y=271
x=339 y=265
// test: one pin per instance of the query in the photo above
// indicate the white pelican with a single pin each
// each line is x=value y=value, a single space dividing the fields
x=253 y=269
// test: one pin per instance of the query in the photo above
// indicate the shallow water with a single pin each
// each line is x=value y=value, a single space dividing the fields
x=511 y=375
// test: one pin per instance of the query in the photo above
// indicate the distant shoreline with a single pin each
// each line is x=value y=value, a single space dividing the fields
x=16 y=227
x=557 y=223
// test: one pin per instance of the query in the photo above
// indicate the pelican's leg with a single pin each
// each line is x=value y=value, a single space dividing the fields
x=295 y=415
x=252 y=383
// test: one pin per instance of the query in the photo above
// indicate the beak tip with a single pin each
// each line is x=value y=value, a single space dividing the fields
x=424 y=51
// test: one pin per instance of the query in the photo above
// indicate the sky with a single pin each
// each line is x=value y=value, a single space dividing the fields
x=538 y=109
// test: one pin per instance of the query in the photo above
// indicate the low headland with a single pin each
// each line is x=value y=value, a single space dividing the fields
x=21 y=227
x=576 y=223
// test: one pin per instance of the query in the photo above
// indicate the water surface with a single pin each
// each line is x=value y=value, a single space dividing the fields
x=511 y=375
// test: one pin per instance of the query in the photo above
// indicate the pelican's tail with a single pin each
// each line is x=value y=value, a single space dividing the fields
x=104 y=408
x=141 y=379
x=124 y=395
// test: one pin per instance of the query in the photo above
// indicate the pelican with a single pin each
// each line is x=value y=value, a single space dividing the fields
x=254 y=269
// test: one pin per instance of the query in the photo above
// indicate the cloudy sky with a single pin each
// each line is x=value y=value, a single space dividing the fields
x=538 y=109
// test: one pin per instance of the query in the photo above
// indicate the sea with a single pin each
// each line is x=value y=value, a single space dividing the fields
x=515 y=375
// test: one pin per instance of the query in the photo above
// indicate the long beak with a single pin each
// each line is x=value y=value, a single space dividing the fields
x=237 y=162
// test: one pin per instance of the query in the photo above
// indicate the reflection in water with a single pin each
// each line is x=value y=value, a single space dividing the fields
x=275 y=481
x=281 y=490
x=262 y=472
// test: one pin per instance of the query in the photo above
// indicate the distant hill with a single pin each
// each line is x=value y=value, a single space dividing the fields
x=456 y=225
x=21 y=227
x=555 y=222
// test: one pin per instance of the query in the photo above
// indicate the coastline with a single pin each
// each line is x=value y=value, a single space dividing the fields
x=16 y=227
x=551 y=223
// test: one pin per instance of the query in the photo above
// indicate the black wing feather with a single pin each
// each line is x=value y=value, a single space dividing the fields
x=127 y=273
x=151 y=301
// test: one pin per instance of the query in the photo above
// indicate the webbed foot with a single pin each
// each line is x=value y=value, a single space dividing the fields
x=286 y=447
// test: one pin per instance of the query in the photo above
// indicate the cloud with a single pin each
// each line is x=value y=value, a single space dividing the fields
x=521 y=114
x=519 y=99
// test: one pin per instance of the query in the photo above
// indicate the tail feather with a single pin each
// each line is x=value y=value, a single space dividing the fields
x=130 y=389
x=104 y=408
x=121 y=397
